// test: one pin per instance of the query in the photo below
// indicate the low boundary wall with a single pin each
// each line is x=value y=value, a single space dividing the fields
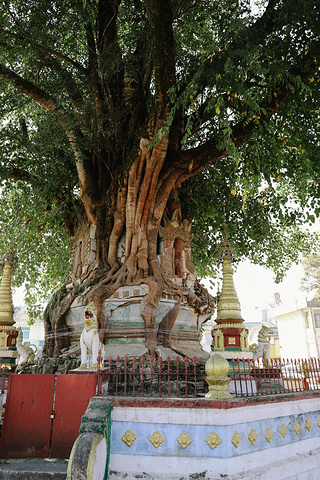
x=189 y=439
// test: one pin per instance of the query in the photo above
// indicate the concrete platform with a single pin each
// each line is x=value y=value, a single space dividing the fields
x=33 y=469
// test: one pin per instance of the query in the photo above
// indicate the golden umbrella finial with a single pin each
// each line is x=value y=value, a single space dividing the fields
x=228 y=308
x=6 y=304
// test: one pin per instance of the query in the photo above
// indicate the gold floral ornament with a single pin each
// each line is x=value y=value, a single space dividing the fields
x=253 y=436
x=236 y=439
x=213 y=440
x=129 y=437
x=297 y=428
x=156 y=439
x=283 y=430
x=184 y=439
x=308 y=424
x=268 y=435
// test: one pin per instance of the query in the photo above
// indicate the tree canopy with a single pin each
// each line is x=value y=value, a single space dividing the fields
x=223 y=96
x=310 y=282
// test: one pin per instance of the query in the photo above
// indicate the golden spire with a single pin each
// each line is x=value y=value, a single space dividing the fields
x=6 y=304
x=228 y=308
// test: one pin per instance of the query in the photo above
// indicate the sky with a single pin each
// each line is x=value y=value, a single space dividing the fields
x=256 y=287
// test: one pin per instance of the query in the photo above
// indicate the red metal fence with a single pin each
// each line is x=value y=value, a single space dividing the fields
x=150 y=377
x=185 y=378
x=252 y=377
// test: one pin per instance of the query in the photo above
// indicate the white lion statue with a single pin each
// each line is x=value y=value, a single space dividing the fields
x=262 y=349
x=26 y=351
x=90 y=344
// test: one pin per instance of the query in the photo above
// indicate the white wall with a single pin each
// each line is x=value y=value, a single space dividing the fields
x=292 y=335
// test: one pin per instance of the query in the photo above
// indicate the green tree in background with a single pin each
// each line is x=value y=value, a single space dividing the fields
x=311 y=280
x=119 y=115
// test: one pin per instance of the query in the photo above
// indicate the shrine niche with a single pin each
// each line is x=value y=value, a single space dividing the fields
x=175 y=249
x=83 y=253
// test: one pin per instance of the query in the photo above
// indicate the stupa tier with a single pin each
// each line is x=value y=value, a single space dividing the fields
x=8 y=333
x=230 y=337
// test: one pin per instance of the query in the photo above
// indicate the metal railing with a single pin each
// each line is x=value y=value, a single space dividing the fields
x=185 y=378
x=150 y=377
x=269 y=377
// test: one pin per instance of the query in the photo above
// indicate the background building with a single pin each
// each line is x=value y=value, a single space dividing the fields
x=299 y=328
x=34 y=334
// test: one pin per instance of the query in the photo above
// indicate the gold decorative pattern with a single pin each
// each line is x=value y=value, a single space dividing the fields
x=236 y=439
x=230 y=325
x=213 y=440
x=231 y=341
x=308 y=424
x=156 y=439
x=318 y=422
x=218 y=340
x=297 y=428
x=253 y=437
x=184 y=439
x=3 y=341
x=268 y=435
x=283 y=430
x=129 y=437
x=244 y=341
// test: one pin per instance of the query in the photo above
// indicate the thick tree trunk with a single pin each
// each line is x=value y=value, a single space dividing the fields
x=136 y=250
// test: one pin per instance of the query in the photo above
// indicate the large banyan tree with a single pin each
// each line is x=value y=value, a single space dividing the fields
x=125 y=119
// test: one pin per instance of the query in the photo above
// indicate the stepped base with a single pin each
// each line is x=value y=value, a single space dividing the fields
x=33 y=469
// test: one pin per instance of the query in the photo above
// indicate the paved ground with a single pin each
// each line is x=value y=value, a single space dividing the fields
x=33 y=469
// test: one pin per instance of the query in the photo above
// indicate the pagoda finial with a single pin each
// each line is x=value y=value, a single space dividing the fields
x=6 y=304
x=228 y=308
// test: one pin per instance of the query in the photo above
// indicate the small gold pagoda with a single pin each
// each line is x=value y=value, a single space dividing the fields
x=230 y=337
x=8 y=333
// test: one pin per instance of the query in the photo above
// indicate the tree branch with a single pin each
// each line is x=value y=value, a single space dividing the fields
x=69 y=84
x=45 y=50
x=19 y=174
x=29 y=89
x=192 y=161
x=160 y=19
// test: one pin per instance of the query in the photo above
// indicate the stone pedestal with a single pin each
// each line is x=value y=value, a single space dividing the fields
x=126 y=332
x=8 y=349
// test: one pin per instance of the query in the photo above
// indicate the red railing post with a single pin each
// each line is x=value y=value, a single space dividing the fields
x=195 y=375
x=134 y=360
x=99 y=377
x=160 y=373
x=311 y=372
x=142 y=360
x=186 y=360
x=253 y=382
x=151 y=375
x=125 y=375
x=177 y=375
x=117 y=375
x=234 y=377
x=169 y=376
x=305 y=374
